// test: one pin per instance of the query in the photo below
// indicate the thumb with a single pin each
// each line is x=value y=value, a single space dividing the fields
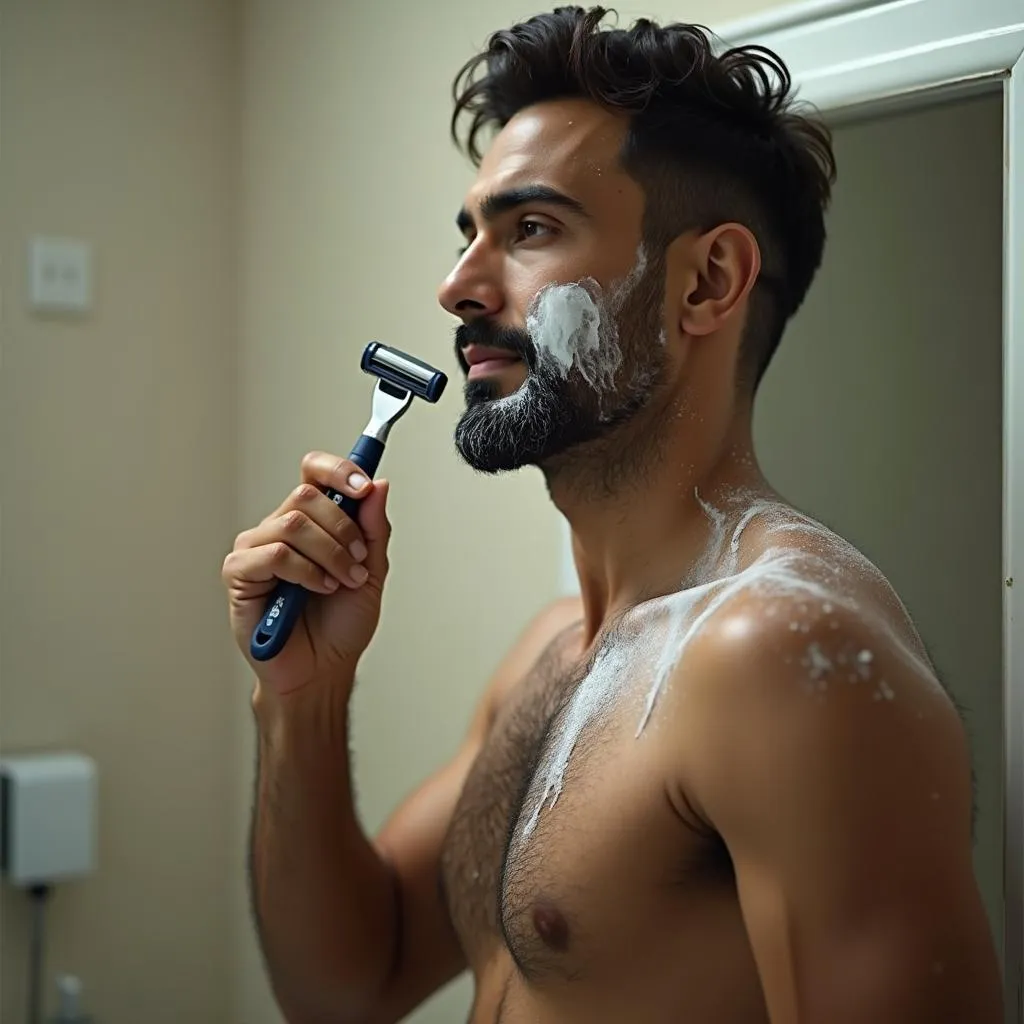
x=373 y=521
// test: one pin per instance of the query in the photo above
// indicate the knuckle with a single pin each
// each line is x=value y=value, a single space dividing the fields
x=310 y=460
x=293 y=521
x=304 y=493
x=278 y=552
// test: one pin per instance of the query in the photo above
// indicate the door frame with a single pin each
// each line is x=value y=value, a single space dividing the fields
x=854 y=59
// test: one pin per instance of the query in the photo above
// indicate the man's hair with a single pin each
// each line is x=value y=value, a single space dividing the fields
x=711 y=139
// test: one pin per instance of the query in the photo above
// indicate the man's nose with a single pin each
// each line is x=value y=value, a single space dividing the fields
x=471 y=290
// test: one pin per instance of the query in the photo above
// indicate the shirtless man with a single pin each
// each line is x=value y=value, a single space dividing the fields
x=722 y=787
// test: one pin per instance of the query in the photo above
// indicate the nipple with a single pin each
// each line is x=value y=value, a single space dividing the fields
x=551 y=927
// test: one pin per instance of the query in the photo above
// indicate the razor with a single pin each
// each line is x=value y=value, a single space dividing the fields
x=400 y=377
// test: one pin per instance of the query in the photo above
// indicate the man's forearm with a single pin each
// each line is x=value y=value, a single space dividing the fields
x=325 y=903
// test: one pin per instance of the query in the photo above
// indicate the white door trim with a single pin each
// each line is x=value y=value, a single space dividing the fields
x=866 y=52
x=846 y=56
x=1013 y=542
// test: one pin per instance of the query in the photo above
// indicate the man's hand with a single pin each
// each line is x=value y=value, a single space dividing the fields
x=309 y=540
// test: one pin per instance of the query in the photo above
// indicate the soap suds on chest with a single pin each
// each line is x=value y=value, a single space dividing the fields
x=592 y=698
x=660 y=632
x=657 y=636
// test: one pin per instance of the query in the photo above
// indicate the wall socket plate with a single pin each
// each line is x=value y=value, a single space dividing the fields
x=59 y=275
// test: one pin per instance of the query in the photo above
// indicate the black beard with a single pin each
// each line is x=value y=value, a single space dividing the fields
x=521 y=429
x=550 y=413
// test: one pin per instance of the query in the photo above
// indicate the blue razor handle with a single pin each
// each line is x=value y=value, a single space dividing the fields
x=288 y=599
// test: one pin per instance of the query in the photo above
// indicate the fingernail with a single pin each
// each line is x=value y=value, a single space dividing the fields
x=330 y=582
x=359 y=573
x=357 y=549
x=357 y=481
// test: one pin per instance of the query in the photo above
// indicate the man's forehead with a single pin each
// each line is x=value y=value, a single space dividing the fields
x=568 y=142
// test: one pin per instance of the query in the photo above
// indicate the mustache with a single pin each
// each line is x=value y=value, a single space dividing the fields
x=487 y=334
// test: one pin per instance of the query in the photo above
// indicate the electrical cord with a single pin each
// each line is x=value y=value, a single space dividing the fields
x=40 y=894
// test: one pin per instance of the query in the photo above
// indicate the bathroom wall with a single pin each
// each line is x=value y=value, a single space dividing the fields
x=120 y=126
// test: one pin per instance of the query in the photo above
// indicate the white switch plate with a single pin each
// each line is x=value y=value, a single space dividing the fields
x=59 y=275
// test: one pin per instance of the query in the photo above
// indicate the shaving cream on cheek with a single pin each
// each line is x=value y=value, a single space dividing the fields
x=564 y=321
x=575 y=324
x=566 y=325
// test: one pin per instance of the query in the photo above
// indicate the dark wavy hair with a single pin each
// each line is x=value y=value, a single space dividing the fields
x=712 y=138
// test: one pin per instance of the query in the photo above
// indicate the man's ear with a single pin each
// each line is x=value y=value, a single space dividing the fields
x=721 y=267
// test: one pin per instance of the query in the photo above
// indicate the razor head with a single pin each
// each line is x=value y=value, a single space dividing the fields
x=403 y=371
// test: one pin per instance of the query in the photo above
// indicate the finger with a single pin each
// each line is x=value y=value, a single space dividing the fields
x=327 y=514
x=248 y=571
x=373 y=518
x=338 y=554
x=326 y=470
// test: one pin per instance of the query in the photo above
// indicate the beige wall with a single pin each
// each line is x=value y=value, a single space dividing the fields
x=120 y=127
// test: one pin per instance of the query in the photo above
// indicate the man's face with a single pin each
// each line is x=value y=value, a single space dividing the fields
x=562 y=336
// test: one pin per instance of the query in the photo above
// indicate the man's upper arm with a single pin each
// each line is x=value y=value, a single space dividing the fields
x=837 y=773
x=428 y=953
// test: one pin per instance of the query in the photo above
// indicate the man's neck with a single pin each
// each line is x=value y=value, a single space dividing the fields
x=644 y=539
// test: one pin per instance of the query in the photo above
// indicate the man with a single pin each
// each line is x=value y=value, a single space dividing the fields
x=722 y=787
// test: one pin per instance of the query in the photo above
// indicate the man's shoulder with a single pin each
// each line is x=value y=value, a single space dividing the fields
x=815 y=658
x=809 y=617
x=789 y=576
x=788 y=627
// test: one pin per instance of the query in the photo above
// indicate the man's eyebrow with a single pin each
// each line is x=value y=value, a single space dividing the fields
x=497 y=203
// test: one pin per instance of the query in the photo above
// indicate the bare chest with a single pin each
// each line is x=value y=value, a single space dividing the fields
x=474 y=849
x=563 y=832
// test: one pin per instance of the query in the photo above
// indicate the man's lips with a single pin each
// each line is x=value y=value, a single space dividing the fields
x=482 y=360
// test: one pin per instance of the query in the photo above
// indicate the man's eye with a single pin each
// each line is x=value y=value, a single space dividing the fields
x=534 y=228
x=525 y=229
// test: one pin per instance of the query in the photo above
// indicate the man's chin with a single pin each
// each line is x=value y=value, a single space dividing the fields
x=488 y=450
x=492 y=460
x=493 y=469
x=491 y=389
x=500 y=432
